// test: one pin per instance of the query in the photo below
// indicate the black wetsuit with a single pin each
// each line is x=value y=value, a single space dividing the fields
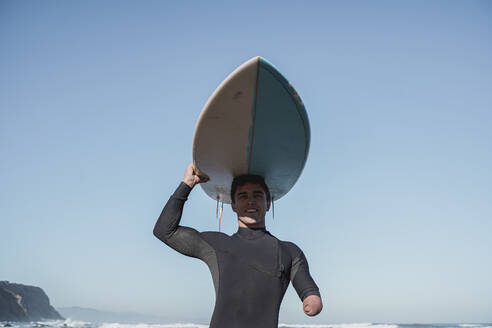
x=251 y=269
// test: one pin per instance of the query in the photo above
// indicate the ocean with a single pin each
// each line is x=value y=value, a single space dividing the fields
x=82 y=324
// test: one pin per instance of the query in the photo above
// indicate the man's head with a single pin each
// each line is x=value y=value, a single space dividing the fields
x=250 y=198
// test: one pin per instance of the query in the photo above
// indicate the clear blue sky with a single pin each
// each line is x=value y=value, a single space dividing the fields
x=98 y=102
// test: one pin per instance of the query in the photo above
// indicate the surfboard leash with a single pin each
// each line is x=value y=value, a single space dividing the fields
x=220 y=215
x=217 y=209
x=273 y=209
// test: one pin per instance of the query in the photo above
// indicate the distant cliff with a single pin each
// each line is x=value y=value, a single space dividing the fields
x=24 y=303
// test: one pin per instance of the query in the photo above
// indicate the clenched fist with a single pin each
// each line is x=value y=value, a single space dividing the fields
x=192 y=177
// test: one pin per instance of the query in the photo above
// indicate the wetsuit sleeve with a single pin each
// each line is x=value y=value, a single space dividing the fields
x=185 y=240
x=301 y=279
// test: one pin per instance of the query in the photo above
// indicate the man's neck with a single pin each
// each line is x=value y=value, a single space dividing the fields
x=250 y=226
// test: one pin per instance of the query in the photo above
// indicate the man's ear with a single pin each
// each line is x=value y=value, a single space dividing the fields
x=233 y=205
x=269 y=202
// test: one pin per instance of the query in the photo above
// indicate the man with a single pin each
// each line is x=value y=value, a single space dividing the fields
x=251 y=269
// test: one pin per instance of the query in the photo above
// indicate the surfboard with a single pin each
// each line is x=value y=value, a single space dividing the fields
x=253 y=123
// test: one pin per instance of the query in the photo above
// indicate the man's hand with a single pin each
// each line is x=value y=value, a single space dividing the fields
x=192 y=177
x=312 y=305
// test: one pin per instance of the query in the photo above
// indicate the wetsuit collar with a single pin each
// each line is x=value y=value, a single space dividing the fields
x=251 y=233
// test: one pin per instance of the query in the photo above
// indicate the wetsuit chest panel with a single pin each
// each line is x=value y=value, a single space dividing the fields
x=261 y=253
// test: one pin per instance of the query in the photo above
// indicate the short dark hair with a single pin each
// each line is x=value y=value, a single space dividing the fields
x=241 y=180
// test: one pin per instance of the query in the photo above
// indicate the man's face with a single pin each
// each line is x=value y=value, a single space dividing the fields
x=251 y=205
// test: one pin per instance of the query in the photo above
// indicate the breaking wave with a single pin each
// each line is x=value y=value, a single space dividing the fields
x=69 y=323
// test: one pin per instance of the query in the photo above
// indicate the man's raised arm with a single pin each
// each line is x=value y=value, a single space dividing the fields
x=183 y=239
